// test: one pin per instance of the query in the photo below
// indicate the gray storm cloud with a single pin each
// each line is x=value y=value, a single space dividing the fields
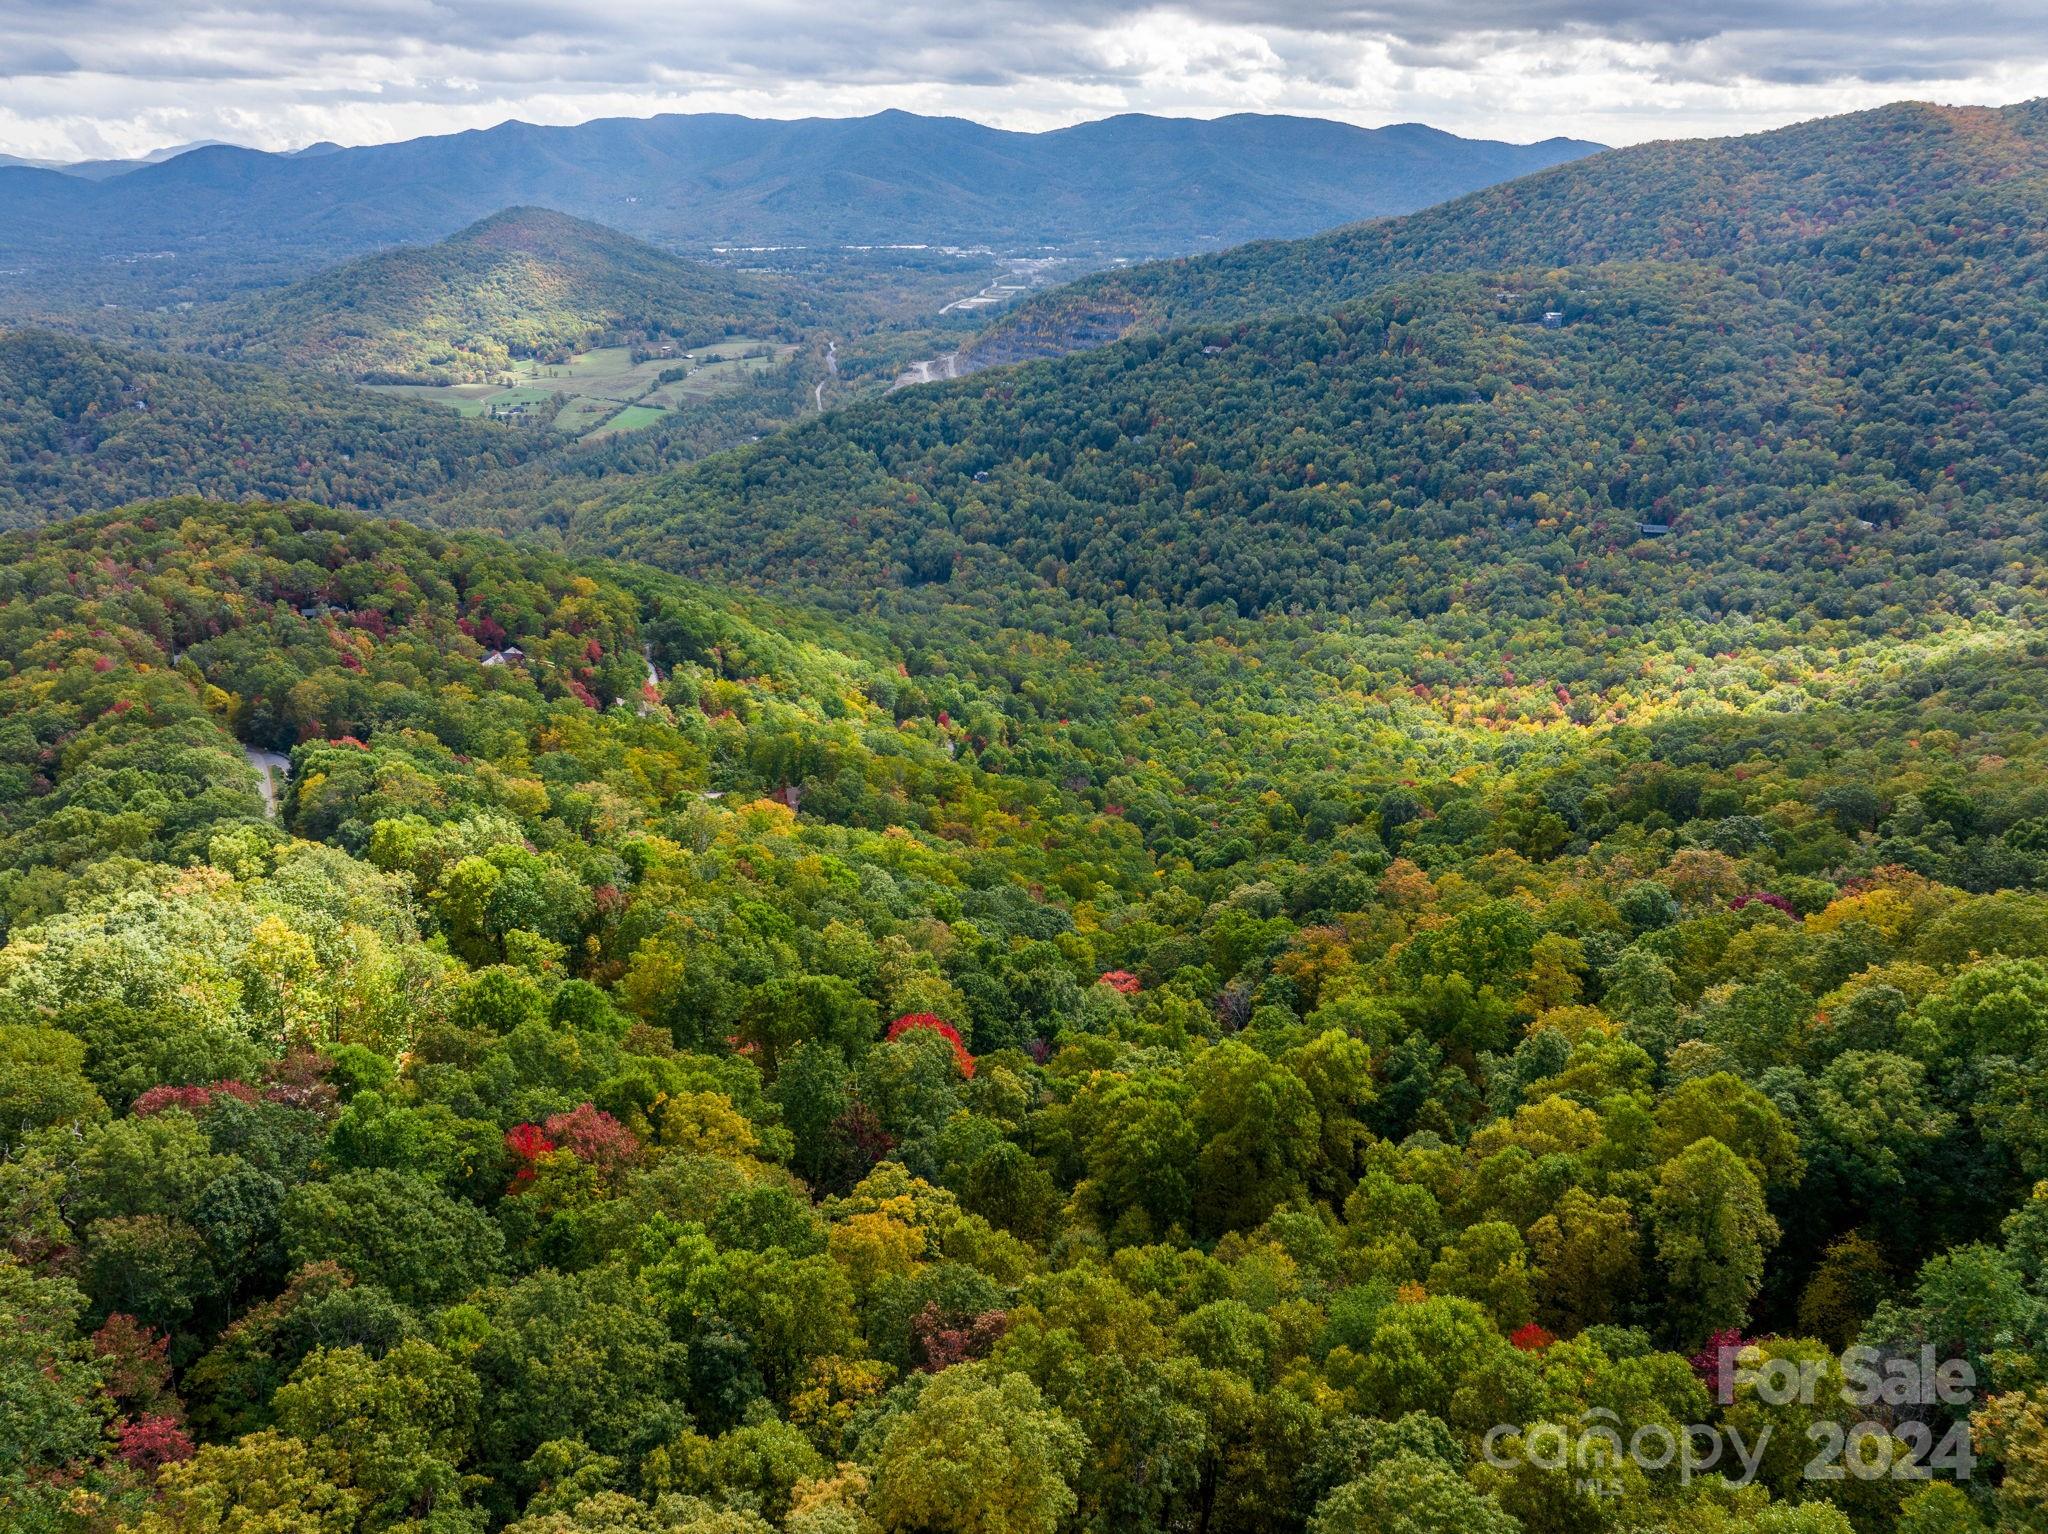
x=115 y=76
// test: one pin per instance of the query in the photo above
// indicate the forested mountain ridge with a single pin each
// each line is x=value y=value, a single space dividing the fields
x=1679 y=199
x=1852 y=424
x=524 y=282
x=1133 y=184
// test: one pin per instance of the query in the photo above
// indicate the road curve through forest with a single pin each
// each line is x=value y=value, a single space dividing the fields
x=270 y=767
x=832 y=369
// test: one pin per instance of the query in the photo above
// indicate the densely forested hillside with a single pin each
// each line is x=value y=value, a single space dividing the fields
x=1689 y=199
x=838 y=1087
x=1848 y=426
x=85 y=425
x=522 y=283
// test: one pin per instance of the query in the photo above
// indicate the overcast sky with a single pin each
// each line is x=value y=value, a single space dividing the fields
x=121 y=77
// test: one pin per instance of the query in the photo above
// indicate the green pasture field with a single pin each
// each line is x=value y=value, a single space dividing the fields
x=632 y=418
x=610 y=392
x=583 y=413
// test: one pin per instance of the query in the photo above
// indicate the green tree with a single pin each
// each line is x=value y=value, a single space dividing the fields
x=1723 y=1107
x=53 y=1403
x=1712 y=1231
x=404 y=1232
x=1140 y=1155
x=1588 y=1260
x=396 y=1429
x=1409 y=1494
x=1488 y=1264
x=979 y=1453
x=1259 y=1135
x=42 y=1081
x=265 y=1481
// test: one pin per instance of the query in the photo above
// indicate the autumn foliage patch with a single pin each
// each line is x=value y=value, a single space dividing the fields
x=911 y=1022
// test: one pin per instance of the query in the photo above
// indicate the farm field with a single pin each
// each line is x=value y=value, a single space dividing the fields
x=632 y=418
x=465 y=399
x=584 y=413
x=607 y=391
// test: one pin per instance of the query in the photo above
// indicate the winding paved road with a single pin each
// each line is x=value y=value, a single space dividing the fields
x=832 y=368
x=271 y=767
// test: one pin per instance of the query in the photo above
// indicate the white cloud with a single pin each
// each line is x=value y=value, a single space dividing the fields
x=104 y=77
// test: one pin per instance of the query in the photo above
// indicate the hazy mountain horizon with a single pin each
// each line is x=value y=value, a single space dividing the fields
x=1134 y=184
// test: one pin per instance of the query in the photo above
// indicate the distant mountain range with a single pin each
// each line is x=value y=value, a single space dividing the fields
x=521 y=283
x=1130 y=185
x=101 y=170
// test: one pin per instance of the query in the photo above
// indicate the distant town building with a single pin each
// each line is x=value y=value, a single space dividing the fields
x=511 y=655
x=1553 y=318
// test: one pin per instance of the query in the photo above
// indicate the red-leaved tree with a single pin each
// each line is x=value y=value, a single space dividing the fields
x=940 y=1343
x=930 y=1022
x=1715 y=1363
x=591 y=1135
x=149 y=1443
x=135 y=1361
x=527 y=1143
x=194 y=1100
